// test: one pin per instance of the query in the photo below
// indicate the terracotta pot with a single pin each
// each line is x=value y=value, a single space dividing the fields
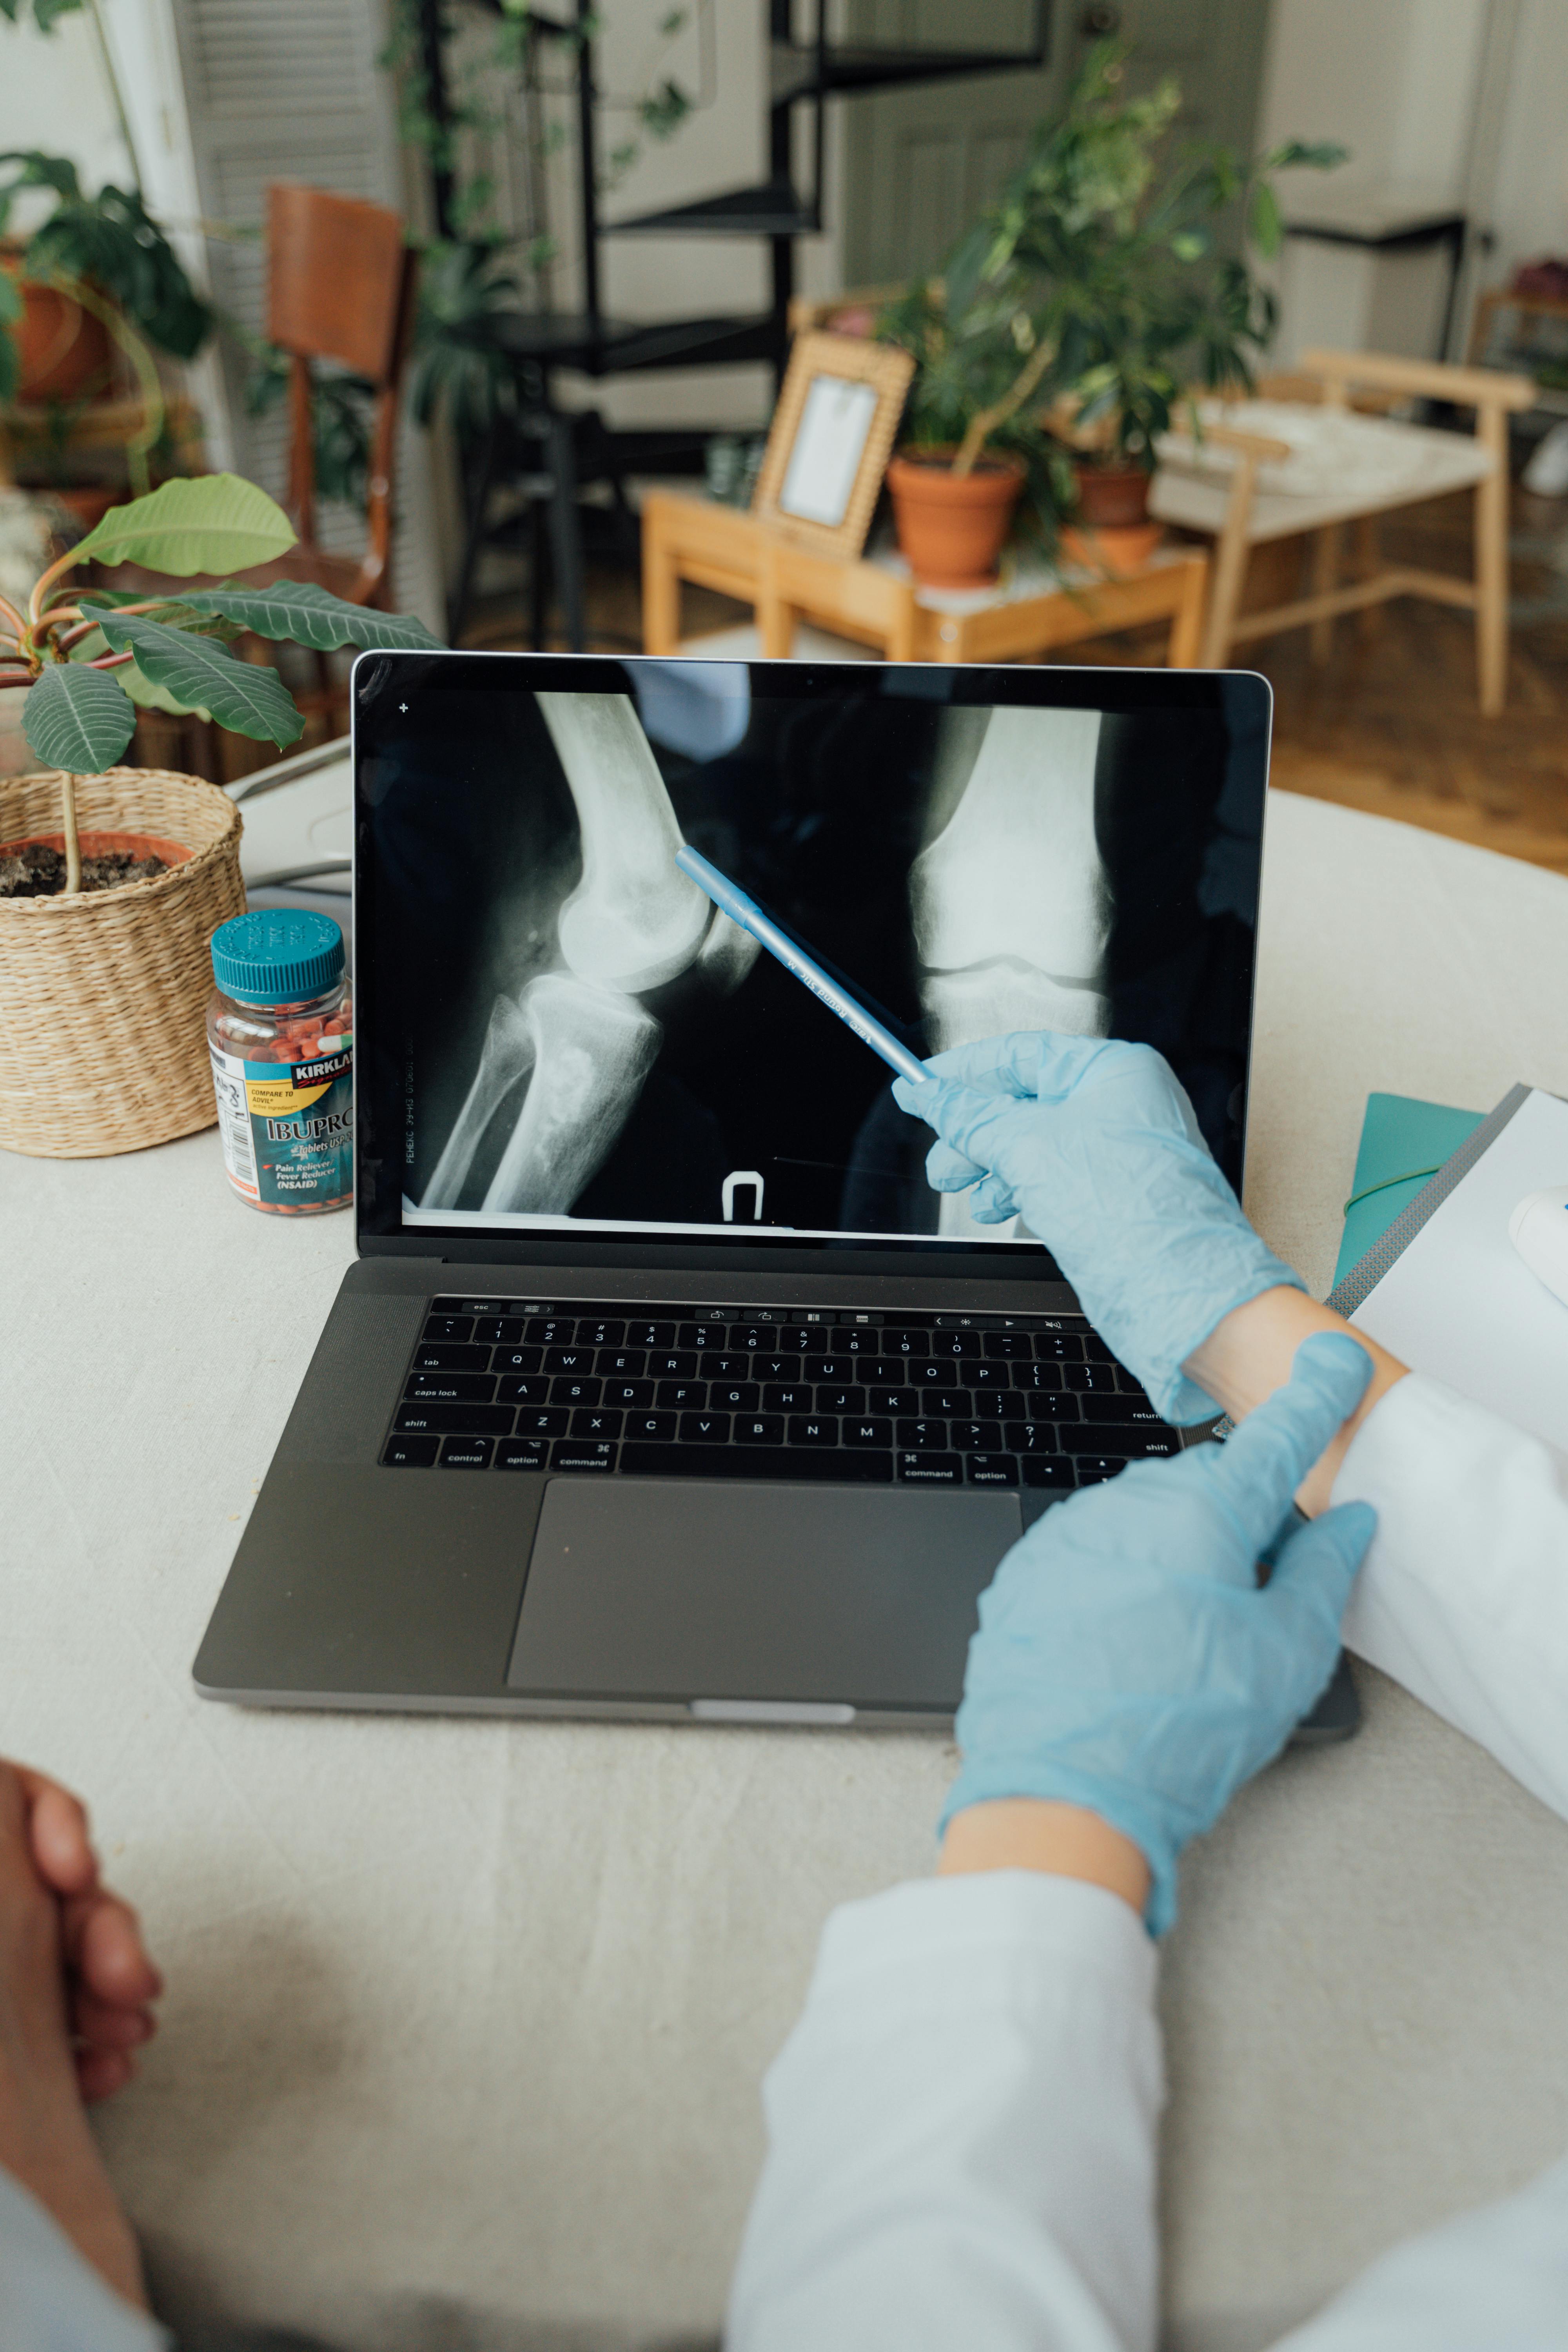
x=1113 y=497
x=88 y=503
x=950 y=527
x=104 y=845
x=64 y=351
x=1117 y=553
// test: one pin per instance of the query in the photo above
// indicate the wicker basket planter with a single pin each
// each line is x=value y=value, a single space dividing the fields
x=102 y=995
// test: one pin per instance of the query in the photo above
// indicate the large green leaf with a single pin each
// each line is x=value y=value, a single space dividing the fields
x=148 y=697
x=215 y=522
x=142 y=690
x=306 y=615
x=177 y=611
x=201 y=674
x=77 y=719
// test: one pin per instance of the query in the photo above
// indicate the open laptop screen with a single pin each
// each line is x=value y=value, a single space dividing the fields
x=559 y=1035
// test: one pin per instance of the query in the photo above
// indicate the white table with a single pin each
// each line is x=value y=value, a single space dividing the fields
x=465 y=2019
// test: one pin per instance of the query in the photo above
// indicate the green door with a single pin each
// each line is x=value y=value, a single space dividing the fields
x=919 y=163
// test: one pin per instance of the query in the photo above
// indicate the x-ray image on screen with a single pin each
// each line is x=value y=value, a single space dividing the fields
x=592 y=1044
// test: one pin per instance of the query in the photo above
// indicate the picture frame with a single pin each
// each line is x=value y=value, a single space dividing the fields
x=830 y=440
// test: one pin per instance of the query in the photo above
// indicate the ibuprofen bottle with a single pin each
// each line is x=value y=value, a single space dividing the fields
x=280 y=1027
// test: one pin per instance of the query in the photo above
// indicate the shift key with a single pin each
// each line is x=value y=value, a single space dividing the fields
x=456 y=1420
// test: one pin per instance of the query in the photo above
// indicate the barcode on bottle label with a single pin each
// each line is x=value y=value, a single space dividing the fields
x=234 y=1123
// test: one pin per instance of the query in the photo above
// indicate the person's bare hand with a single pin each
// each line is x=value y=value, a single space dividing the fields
x=109 y=1980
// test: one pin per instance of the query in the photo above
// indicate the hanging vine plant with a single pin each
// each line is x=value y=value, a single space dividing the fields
x=471 y=276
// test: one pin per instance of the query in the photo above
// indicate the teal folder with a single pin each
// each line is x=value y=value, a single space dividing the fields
x=1402 y=1144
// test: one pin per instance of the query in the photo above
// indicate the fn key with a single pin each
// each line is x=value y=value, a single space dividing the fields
x=409 y=1453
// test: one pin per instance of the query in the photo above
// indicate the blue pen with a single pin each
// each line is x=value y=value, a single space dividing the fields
x=740 y=909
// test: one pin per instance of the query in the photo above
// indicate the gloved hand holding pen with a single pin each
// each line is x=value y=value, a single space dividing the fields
x=1094 y=1144
x=1128 y=1663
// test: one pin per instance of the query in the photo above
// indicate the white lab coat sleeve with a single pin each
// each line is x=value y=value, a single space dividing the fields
x=51 y=2300
x=962 y=2130
x=1495 y=2277
x=1464 y=1594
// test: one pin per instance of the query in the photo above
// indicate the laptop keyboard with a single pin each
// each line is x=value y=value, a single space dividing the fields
x=769 y=1392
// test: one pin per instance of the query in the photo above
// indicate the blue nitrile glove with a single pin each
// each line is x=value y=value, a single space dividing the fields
x=1128 y=1660
x=1094 y=1144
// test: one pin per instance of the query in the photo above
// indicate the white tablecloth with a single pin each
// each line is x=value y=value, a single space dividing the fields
x=466 y=2020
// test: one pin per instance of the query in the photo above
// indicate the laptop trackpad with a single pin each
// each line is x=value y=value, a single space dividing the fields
x=686 y=1588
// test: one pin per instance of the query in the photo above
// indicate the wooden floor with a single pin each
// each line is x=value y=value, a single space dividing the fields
x=1390 y=724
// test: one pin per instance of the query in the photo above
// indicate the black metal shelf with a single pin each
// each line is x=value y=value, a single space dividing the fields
x=867 y=66
x=547 y=443
x=773 y=209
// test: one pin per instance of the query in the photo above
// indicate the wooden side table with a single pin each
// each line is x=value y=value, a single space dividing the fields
x=875 y=602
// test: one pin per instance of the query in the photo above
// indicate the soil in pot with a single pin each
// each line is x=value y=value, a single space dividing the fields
x=951 y=526
x=36 y=869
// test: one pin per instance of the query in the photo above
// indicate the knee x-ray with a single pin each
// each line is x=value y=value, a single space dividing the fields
x=588 y=1044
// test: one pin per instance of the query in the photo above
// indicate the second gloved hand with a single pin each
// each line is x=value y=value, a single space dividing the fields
x=1128 y=1660
x=1094 y=1143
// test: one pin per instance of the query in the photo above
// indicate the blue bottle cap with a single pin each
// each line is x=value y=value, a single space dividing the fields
x=277 y=956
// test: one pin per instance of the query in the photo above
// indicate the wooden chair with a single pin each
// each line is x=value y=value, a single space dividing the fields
x=1240 y=515
x=340 y=287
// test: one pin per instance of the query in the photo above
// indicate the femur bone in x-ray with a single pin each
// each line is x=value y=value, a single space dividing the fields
x=633 y=921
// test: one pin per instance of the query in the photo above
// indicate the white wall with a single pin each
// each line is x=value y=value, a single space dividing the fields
x=1393 y=79
x=1528 y=207
x=1447 y=103
x=53 y=95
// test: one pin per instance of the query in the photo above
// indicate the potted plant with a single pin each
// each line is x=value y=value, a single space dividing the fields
x=972 y=441
x=97 y=279
x=113 y=879
x=1092 y=296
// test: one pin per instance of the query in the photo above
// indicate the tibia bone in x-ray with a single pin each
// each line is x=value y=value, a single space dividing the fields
x=593 y=1049
x=507 y=1056
x=633 y=922
x=1010 y=904
x=588 y=1050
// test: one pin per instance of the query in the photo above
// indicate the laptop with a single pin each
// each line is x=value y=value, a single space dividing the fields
x=663 y=1385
